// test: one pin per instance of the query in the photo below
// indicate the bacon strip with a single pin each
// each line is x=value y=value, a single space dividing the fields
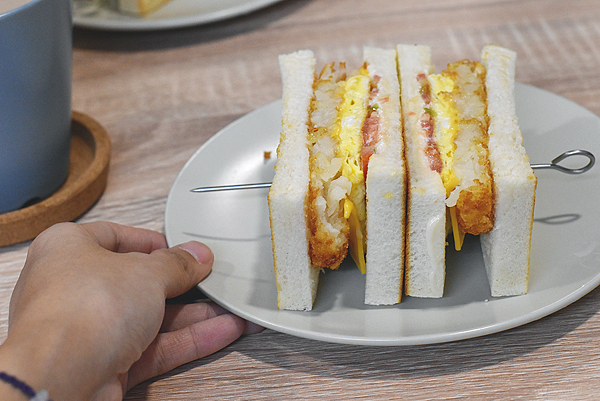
x=371 y=137
x=427 y=125
x=370 y=129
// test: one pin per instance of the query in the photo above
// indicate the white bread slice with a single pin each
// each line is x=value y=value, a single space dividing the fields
x=296 y=279
x=506 y=249
x=426 y=209
x=385 y=188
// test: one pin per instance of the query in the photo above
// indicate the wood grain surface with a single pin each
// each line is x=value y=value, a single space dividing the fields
x=162 y=94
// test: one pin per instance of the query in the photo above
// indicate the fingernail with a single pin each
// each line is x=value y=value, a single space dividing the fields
x=199 y=251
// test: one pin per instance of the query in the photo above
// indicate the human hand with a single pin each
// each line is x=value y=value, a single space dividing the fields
x=88 y=319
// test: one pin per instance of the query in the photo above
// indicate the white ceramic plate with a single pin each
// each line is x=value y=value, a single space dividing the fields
x=565 y=250
x=176 y=14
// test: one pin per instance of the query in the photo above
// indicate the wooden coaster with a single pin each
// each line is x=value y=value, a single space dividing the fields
x=88 y=172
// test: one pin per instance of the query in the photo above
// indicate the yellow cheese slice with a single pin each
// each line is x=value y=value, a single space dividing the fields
x=459 y=235
x=356 y=239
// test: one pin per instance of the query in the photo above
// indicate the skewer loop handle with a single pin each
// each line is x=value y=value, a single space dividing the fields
x=567 y=170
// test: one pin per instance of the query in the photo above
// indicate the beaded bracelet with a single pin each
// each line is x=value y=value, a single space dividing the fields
x=25 y=388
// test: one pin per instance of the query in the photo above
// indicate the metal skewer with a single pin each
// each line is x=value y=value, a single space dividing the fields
x=552 y=165
x=577 y=152
x=232 y=187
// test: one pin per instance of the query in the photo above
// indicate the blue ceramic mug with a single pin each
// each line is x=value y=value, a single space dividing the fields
x=35 y=99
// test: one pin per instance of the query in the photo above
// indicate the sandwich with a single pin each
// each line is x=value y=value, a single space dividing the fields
x=139 y=7
x=467 y=167
x=339 y=185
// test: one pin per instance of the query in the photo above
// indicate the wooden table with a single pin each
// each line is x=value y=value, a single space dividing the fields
x=160 y=95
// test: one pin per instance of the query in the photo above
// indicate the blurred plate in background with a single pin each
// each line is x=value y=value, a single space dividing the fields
x=175 y=14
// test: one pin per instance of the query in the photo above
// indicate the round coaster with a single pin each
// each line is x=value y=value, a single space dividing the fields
x=88 y=173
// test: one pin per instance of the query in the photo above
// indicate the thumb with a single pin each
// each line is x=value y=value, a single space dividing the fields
x=183 y=266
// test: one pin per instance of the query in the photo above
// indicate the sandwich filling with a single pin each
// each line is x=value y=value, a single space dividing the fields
x=454 y=138
x=343 y=118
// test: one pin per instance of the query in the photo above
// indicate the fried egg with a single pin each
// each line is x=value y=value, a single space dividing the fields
x=337 y=209
x=459 y=110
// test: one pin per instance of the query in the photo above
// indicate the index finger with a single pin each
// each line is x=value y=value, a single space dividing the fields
x=122 y=239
